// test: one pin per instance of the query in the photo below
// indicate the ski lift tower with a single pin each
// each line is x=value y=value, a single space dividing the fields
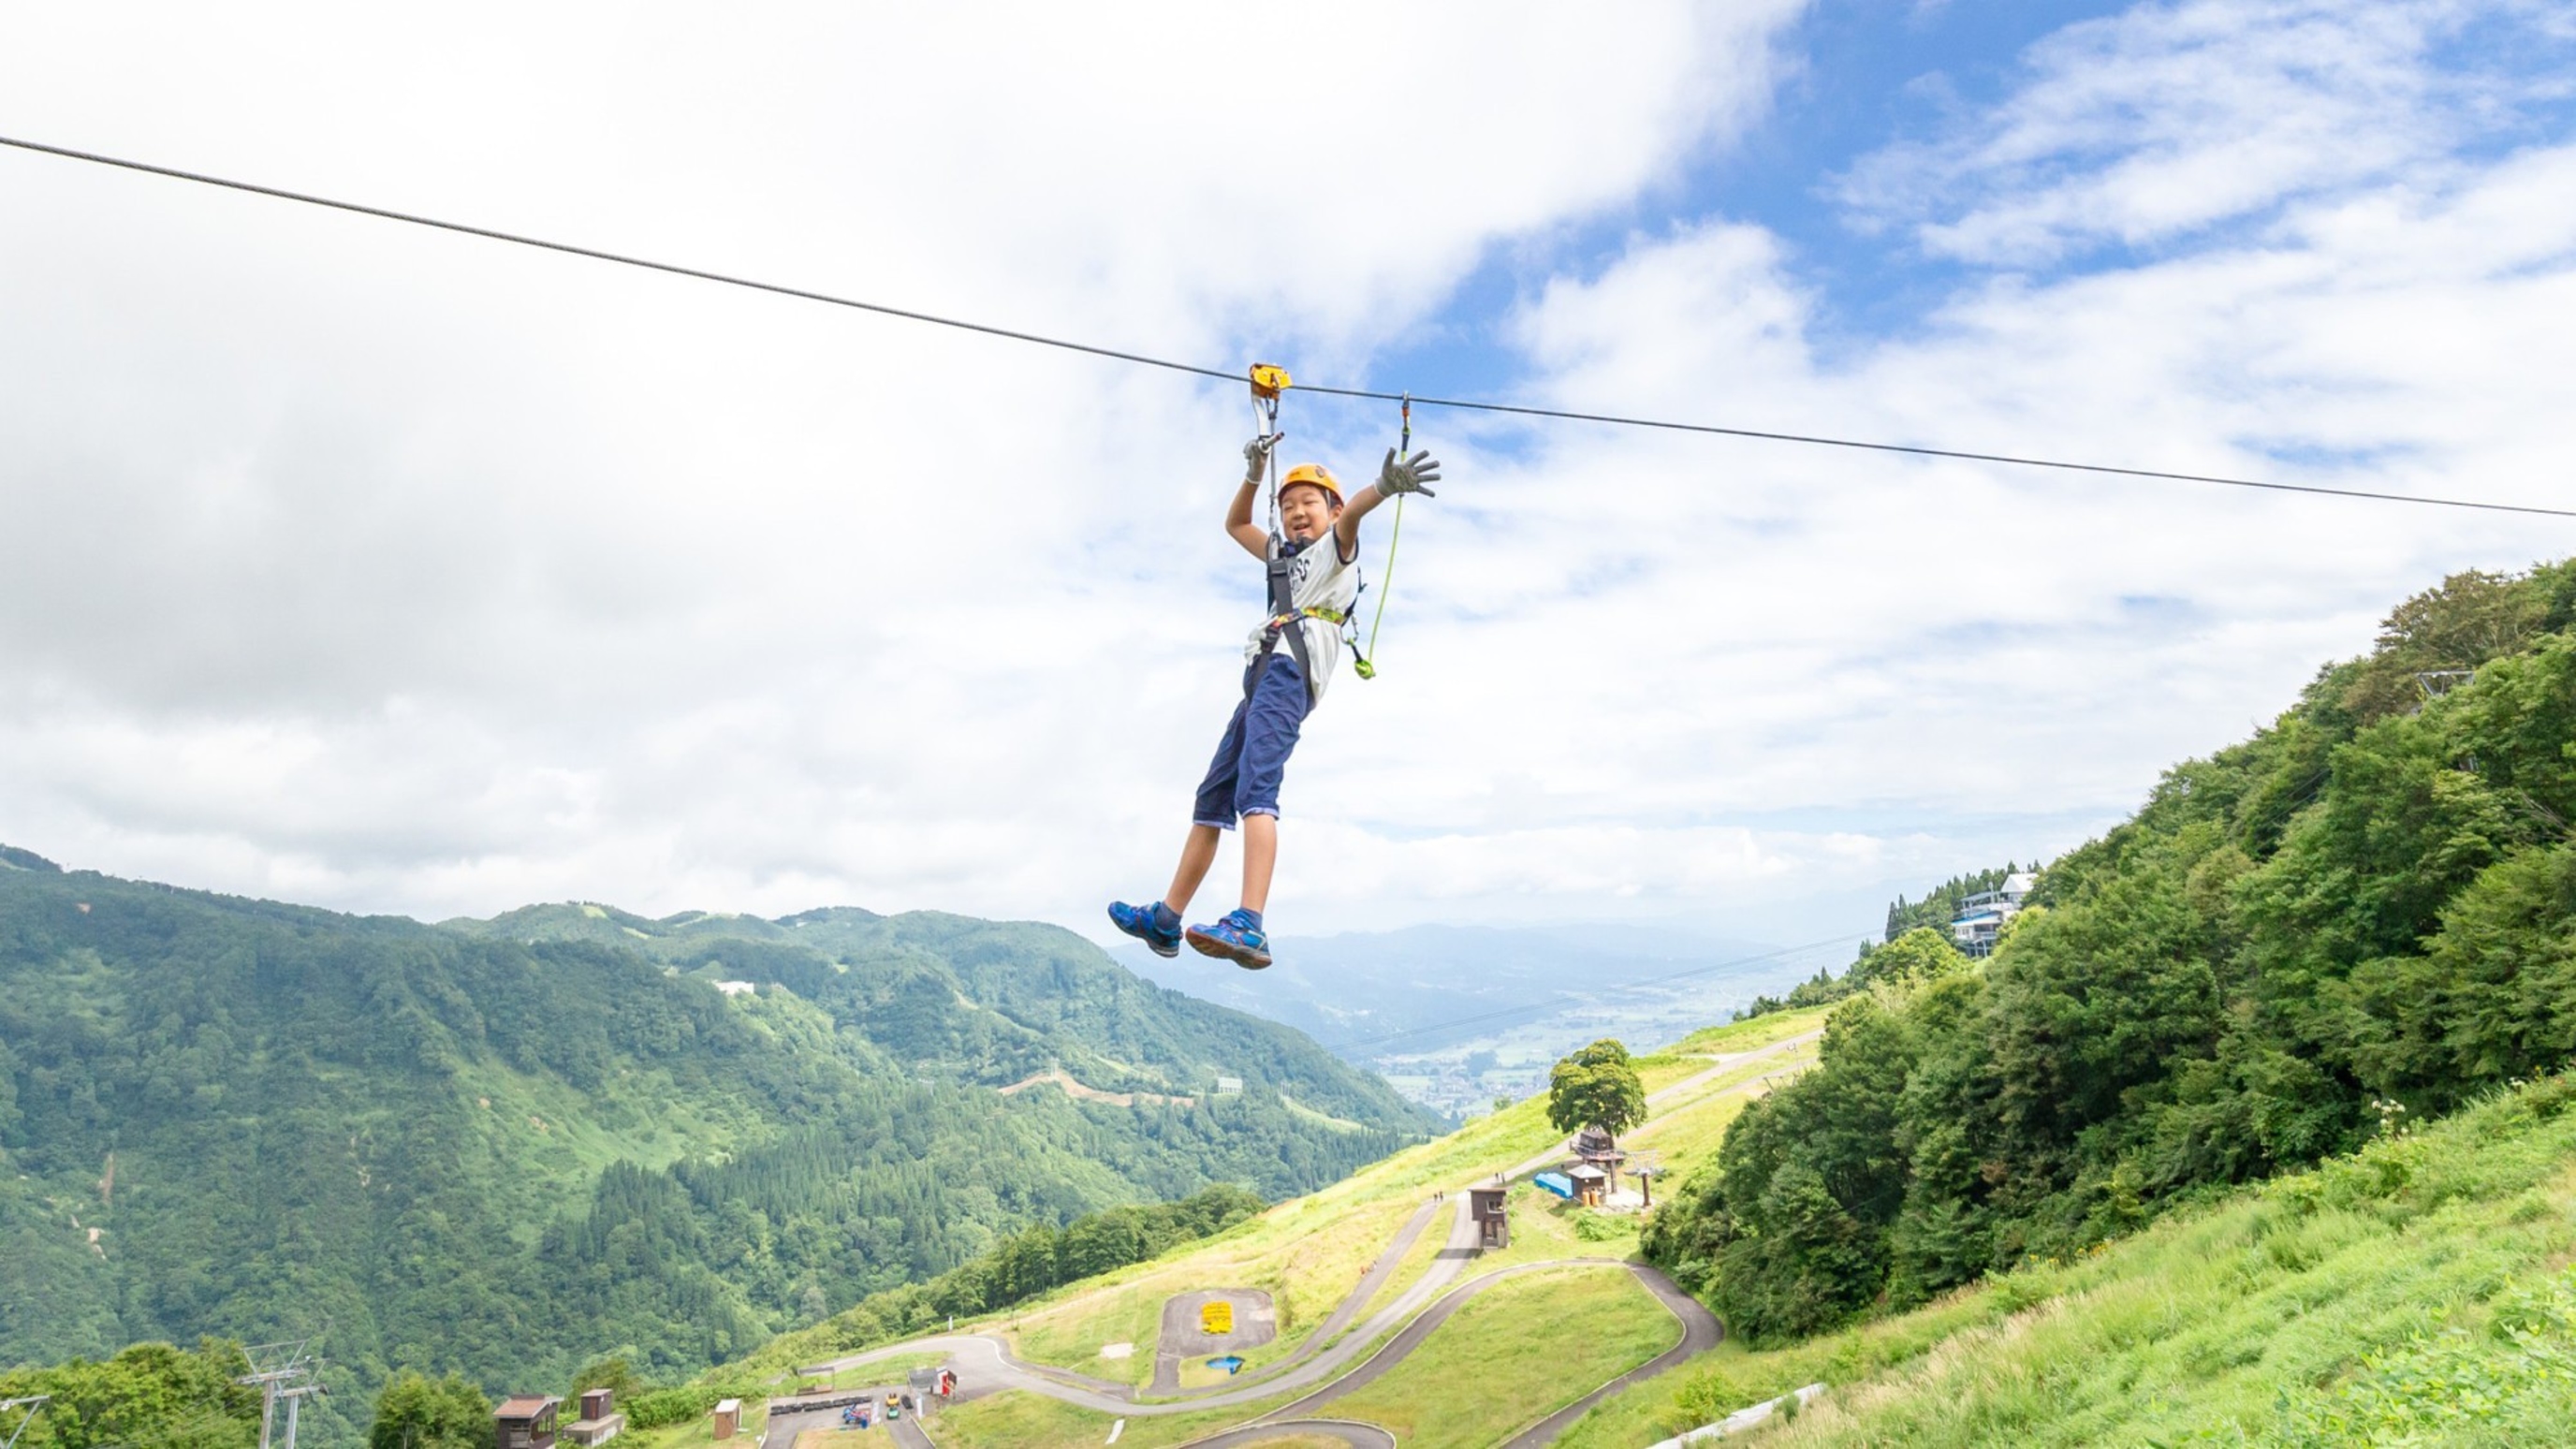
x=287 y=1379
x=31 y=1404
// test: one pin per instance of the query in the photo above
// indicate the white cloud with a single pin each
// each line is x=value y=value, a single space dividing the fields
x=383 y=569
x=2148 y=126
x=400 y=570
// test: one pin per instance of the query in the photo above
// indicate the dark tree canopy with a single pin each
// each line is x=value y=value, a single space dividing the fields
x=149 y=1396
x=1596 y=1087
x=416 y=1412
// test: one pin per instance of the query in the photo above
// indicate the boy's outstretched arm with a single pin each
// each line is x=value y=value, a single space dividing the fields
x=1398 y=475
x=1238 y=514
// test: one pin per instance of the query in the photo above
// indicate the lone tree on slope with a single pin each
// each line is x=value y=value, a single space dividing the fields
x=1596 y=1087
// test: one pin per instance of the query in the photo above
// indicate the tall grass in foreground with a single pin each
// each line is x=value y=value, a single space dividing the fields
x=2414 y=1292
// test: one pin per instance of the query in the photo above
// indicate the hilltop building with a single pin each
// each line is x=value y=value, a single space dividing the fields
x=1980 y=919
x=1594 y=1169
x=525 y=1421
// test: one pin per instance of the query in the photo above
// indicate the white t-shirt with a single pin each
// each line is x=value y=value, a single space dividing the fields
x=1318 y=578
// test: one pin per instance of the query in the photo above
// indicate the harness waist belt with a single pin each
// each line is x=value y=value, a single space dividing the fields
x=1334 y=617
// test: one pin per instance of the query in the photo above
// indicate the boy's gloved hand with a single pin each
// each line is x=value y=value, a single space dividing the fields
x=1256 y=456
x=1407 y=475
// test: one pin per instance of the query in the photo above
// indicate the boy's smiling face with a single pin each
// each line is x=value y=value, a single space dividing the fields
x=1305 y=511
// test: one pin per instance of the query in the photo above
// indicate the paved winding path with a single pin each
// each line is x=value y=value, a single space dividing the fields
x=1354 y=1434
x=1700 y=1332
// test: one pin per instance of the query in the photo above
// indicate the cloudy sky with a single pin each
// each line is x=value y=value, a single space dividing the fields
x=391 y=570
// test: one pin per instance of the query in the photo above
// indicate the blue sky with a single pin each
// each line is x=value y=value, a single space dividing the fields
x=395 y=571
x=1861 y=76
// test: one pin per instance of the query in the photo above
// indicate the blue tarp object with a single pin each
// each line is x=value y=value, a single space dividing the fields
x=1556 y=1182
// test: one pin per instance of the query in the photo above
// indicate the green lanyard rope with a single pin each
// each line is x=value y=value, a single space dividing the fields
x=1363 y=664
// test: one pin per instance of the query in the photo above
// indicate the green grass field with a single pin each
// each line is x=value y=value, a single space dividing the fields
x=2416 y=1292
x=1516 y=1353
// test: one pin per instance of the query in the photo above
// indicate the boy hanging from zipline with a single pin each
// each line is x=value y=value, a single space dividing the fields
x=1287 y=663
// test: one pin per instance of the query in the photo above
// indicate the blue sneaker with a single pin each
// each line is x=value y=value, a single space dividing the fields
x=1238 y=938
x=1155 y=925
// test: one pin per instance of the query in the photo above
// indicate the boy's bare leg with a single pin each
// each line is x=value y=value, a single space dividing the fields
x=1197 y=854
x=1260 y=858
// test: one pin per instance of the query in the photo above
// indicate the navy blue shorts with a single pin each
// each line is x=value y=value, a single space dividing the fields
x=1244 y=777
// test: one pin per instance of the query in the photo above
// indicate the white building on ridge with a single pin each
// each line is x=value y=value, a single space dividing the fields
x=1981 y=916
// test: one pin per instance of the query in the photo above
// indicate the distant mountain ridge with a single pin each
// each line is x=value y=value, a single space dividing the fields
x=1425 y=987
x=501 y=1146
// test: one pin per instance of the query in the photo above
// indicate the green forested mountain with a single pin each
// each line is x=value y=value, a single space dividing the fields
x=2361 y=916
x=503 y=1147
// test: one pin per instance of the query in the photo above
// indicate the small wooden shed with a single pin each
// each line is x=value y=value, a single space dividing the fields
x=599 y=1421
x=1590 y=1183
x=728 y=1419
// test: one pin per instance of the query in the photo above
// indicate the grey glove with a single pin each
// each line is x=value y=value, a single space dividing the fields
x=1256 y=456
x=1407 y=475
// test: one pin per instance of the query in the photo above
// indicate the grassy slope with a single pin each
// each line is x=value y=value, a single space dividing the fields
x=1309 y=1252
x=2369 y=1290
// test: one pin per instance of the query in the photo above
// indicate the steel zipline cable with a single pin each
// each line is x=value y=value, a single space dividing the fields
x=1144 y=360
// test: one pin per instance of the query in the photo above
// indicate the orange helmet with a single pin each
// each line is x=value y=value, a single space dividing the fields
x=1315 y=474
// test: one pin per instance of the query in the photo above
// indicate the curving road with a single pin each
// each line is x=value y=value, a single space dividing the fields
x=1350 y=1432
x=1700 y=1332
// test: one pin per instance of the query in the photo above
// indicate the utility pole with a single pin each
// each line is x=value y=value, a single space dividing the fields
x=289 y=1366
x=31 y=1404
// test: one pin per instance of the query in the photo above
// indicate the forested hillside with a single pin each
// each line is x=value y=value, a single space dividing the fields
x=2361 y=916
x=503 y=1147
